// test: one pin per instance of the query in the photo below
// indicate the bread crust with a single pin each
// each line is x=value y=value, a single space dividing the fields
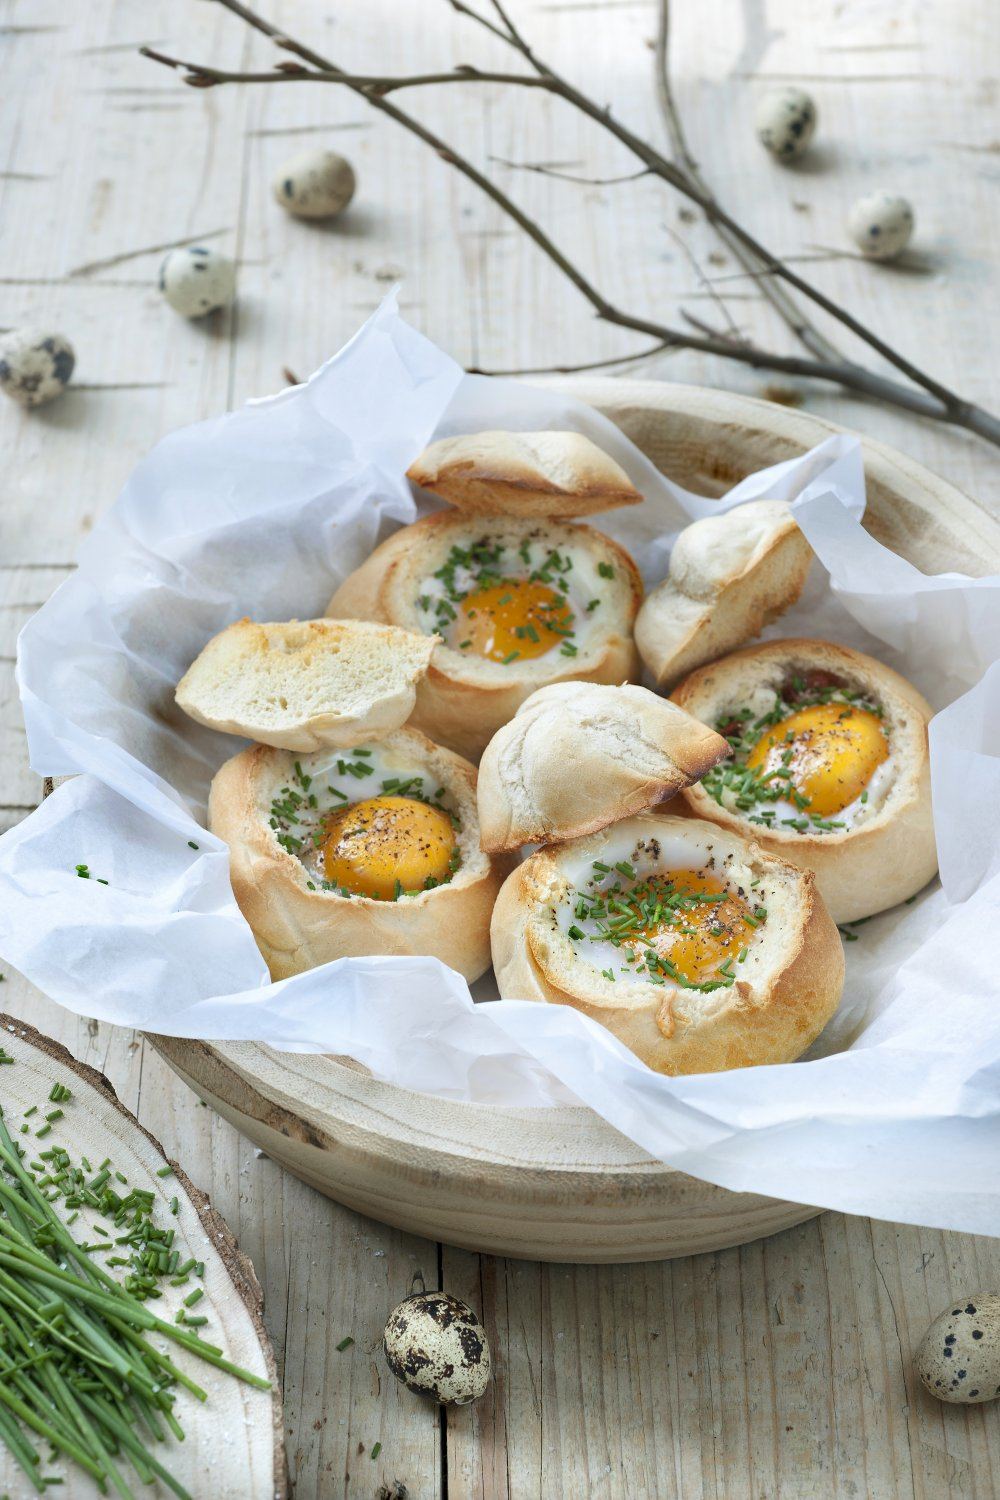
x=578 y=756
x=306 y=684
x=297 y=928
x=459 y=703
x=534 y=474
x=748 y=1028
x=730 y=575
x=881 y=862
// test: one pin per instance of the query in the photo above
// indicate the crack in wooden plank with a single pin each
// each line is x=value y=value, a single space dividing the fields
x=116 y=260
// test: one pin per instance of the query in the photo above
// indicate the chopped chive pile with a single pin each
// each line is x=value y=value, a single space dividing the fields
x=77 y=1368
x=478 y=582
x=642 y=916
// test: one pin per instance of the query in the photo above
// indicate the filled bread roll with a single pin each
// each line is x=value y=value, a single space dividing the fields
x=517 y=604
x=830 y=767
x=730 y=575
x=547 y=474
x=373 y=851
x=694 y=947
x=579 y=755
x=306 y=684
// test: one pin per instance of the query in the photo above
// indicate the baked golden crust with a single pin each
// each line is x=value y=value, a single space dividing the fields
x=534 y=474
x=748 y=1025
x=461 y=703
x=306 y=684
x=578 y=756
x=888 y=857
x=298 y=928
x=730 y=575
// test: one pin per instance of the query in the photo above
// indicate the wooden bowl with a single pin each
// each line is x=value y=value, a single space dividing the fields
x=562 y=1184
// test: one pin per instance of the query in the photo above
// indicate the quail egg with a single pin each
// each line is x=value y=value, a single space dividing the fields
x=315 y=185
x=785 y=120
x=880 y=224
x=35 y=366
x=196 y=280
x=959 y=1356
x=437 y=1347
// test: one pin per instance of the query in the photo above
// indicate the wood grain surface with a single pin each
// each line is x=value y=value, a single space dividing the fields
x=780 y=1369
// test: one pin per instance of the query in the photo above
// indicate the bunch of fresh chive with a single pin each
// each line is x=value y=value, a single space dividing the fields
x=76 y=1367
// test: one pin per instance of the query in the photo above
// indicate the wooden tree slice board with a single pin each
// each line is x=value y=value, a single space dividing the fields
x=561 y=1184
x=233 y=1447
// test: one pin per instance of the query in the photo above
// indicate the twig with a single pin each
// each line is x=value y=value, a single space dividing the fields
x=544 y=171
x=786 y=307
x=707 y=286
x=590 y=364
x=733 y=335
x=201 y=76
x=659 y=166
x=933 y=400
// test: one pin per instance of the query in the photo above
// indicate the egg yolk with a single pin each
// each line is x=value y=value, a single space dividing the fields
x=513 y=619
x=693 y=923
x=385 y=845
x=831 y=751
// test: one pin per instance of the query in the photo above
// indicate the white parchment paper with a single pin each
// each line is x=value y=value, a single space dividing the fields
x=896 y=1112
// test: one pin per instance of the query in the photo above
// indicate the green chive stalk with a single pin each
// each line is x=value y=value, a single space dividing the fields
x=77 y=1369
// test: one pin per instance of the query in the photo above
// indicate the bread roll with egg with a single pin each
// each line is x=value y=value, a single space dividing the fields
x=517 y=604
x=694 y=947
x=579 y=755
x=729 y=576
x=371 y=851
x=830 y=767
x=545 y=474
x=306 y=684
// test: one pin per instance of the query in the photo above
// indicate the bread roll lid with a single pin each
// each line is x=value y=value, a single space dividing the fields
x=578 y=756
x=307 y=684
x=555 y=474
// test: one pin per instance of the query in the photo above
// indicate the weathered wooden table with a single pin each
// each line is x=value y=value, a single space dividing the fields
x=779 y=1369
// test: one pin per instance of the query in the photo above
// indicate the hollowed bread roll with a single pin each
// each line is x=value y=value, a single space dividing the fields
x=545 y=474
x=372 y=851
x=830 y=767
x=694 y=947
x=579 y=755
x=306 y=684
x=729 y=576
x=518 y=604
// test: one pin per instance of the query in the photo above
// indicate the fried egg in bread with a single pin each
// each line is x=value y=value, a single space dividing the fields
x=829 y=768
x=374 y=850
x=516 y=603
x=696 y=948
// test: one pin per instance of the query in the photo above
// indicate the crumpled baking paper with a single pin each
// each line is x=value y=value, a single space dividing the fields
x=896 y=1113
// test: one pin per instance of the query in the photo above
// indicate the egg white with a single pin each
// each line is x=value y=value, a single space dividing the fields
x=583 y=582
x=649 y=850
x=330 y=780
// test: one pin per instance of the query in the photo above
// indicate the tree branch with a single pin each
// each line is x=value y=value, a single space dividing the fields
x=201 y=76
x=659 y=166
x=933 y=400
x=786 y=307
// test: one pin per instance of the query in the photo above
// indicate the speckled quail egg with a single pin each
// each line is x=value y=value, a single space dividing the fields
x=315 y=184
x=785 y=120
x=880 y=224
x=959 y=1355
x=437 y=1347
x=196 y=280
x=35 y=366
